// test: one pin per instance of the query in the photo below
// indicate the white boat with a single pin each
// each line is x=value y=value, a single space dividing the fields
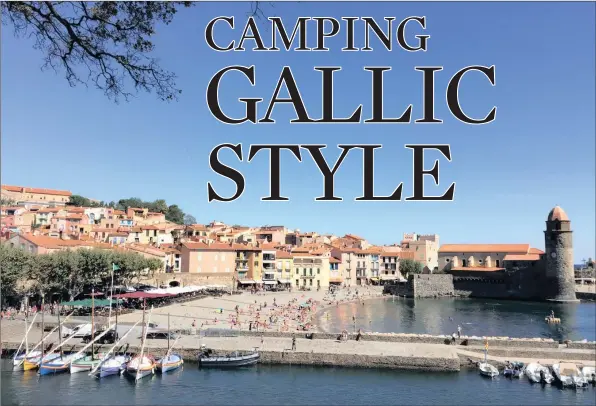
x=138 y=369
x=487 y=369
x=113 y=366
x=20 y=357
x=169 y=363
x=568 y=375
x=538 y=373
x=589 y=373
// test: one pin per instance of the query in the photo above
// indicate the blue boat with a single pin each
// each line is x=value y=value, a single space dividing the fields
x=57 y=365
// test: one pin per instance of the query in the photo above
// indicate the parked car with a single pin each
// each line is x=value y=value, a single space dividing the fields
x=79 y=331
x=109 y=338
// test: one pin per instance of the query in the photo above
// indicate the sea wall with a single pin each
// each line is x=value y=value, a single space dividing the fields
x=432 y=285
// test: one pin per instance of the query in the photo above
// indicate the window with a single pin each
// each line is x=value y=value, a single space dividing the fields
x=498 y=263
x=214 y=269
x=199 y=269
x=297 y=281
x=223 y=257
x=318 y=271
x=311 y=282
x=227 y=269
x=199 y=256
x=297 y=271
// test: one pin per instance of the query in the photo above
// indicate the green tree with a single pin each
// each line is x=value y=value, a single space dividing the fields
x=158 y=206
x=79 y=201
x=124 y=204
x=6 y=201
x=106 y=44
x=175 y=214
x=409 y=267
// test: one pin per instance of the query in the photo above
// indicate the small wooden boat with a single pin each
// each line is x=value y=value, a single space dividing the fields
x=139 y=367
x=488 y=370
x=33 y=362
x=85 y=363
x=169 y=363
x=20 y=359
x=57 y=365
x=234 y=360
x=113 y=366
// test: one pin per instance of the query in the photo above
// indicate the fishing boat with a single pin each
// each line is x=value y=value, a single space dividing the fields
x=141 y=365
x=89 y=362
x=537 y=373
x=234 y=360
x=19 y=357
x=114 y=365
x=33 y=362
x=169 y=362
x=485 y=368
x=58 y=365
x=488 y=370
x=568 y=375
x=514 y=370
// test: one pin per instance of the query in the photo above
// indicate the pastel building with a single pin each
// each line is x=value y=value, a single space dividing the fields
x=28 y=196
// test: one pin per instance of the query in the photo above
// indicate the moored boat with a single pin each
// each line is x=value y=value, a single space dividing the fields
x=514 y=370
x=33 y=362
x=589 y=374
x=169 y=363
x=488 y=370
x=57 y=365
x=537 y=373
x=568 y=375
x=113 y=366
x=139 y=367
x=234 y=360
x=85 y=363
x=19 y=359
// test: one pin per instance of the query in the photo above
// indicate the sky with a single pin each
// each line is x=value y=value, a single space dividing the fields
x=538 y=153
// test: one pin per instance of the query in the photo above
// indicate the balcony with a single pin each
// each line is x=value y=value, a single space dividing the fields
x=242 y=267
x=268 y=257
x=269 y=277
x=307 y=276
x=241 y=258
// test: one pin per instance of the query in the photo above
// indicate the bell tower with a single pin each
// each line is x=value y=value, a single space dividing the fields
x=558 y=243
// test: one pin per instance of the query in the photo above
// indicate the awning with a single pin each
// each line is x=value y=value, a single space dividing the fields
x=142 y=295
x=388 y=277
x=270 y=282
x=246 y=282
x=374 y=278
x=285 y=281
x=88 y=302
x=335 y=280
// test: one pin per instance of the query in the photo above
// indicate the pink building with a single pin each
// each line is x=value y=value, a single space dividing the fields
x=208 y=258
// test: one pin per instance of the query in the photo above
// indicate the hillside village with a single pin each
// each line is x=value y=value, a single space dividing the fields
x=41 y=221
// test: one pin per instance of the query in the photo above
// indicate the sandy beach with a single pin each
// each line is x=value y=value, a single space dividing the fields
x=265 y=311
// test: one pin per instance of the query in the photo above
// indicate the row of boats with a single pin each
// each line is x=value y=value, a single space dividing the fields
x=564 y=374
x=105 y=364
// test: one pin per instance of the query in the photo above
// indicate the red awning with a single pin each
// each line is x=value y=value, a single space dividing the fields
x=142 y=295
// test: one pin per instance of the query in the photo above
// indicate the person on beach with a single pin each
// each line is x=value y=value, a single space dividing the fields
x=194 y=323
x=293 y=342
x=453 y=338
x=458 y=331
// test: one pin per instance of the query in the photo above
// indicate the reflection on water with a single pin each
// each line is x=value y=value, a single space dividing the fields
x=287 y=385
x=480 y=317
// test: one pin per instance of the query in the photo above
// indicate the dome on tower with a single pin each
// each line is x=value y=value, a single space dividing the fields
x=557 y=214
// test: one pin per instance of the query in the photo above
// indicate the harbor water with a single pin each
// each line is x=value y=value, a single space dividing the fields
x=479 y=317
x=288 y=385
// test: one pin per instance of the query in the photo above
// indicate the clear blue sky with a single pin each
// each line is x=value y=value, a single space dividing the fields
x=538 y=153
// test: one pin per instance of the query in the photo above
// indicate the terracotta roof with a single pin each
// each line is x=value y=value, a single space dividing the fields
x=557 y=213
x=24 y=189
x=354 y=237
x=390 y=254
x=505 y=248
x=51 y=209
x=197 y=227
x=118 y=234
x=406 y=255
x=334 y=260
x=535 y=251
x=477 y=269
x=218 y=246
x=523 y=257
x=147 y=249
x=283 y=255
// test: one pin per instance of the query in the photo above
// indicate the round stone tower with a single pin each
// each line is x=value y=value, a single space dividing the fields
x=558 y=243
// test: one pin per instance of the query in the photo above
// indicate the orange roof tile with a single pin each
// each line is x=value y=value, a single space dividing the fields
x=283 y=255
x=523 y=257
x=505 y=248
x=535 y=251
x=24 y=189
x=477 y=269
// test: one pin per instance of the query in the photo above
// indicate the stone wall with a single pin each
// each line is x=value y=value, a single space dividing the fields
x=436 y=285
x=186 y=279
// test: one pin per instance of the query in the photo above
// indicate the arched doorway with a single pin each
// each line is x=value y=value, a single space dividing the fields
x=174 y=284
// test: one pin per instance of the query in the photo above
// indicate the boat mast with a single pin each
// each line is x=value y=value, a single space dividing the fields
x=26 y=329
x=60 y=334
x=168 y=332
x=92 y=319
x=111 y=293
x=42 y=325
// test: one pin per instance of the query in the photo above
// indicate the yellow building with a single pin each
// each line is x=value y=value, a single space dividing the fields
x=28 y=195
x=311 y=271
